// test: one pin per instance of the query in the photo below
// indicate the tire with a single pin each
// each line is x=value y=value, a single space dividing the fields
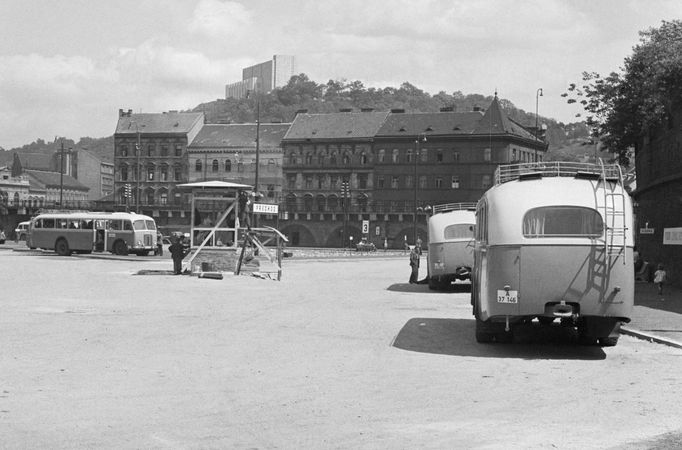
x=62 y=247
x=120 y=248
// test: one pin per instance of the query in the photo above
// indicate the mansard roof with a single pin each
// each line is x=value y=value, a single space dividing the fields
x=430 y=124
x=239 y=135
x=344 y=125
x=166 y=123
x=54 y=180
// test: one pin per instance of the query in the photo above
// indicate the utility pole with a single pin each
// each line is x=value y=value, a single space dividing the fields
x=61 y=176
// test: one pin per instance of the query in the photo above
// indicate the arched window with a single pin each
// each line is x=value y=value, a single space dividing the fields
x=408 y=155
x=163 y=197
x=333 y=202
x=424 y=155
x=382 y=155
x=362 y=202
x=122 y=196
x=394 y=156
x=271 y=165
x=332 y=159
x=363 y=158
x=228 y=165
x=320 y=203
x=150 y=172
x=163 y=172
x=291 y=202
x=177 y=172
x=123 y=150
x=346 y=159
x=197 y=165
x=292 y=158
x=150 y=196
x=308 y=202
x=215 y=166
x=308 y=158
x=123 y=170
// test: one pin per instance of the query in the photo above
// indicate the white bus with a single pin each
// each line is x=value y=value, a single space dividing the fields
x=85 y=232
x=451 y=244
x=554 y=246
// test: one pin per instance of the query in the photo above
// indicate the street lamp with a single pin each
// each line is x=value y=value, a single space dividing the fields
x=538 y=94
x=255 y=183
x=138 y=172
x=420 y=138
x=61 y=176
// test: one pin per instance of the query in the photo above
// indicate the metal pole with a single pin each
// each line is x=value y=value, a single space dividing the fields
x=255 y=187
x=61 y=176
x=139 y=172
x=416 y=158
x=538 y=94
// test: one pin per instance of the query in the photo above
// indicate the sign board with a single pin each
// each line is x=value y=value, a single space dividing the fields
x=365 y=226
x=646 y=231
x=377 y=230
x=265 y=208
x=672 y=236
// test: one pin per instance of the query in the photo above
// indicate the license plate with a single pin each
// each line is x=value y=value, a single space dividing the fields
x=507 y=296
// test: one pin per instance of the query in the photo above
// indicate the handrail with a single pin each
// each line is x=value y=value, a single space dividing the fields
x=512 y=172
x=447 y=207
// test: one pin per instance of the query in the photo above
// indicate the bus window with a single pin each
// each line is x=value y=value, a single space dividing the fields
x=127 y=225
x=150 y=224
x=139 y=225
x=61 y=224
x=73 y=224
x=459 y=231
x=115 y=225
x=562 y=221
x=86 y=224
x=37 y=224
x=48 y=223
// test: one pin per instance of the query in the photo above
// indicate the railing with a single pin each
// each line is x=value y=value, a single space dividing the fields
x=511 y=172
x=447 y=207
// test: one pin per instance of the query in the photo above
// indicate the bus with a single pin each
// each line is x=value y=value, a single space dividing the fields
x=554 y=247
x=84 y=232
x=451 y=244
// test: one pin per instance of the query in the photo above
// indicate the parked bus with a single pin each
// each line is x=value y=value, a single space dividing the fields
x=451 y=244
x=85 y=232
x=554 y=243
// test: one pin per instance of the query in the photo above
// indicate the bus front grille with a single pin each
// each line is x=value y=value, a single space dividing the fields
x=147 y=240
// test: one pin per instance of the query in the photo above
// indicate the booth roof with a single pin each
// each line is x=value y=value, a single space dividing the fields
x=215 y=185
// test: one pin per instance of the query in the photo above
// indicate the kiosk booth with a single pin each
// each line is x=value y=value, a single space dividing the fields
x=221 y=238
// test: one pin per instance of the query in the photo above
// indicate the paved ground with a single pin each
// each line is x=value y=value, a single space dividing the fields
x=342 y=353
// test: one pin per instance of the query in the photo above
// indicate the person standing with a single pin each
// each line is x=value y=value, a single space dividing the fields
x=414 y=264
x=659 y=278
x=159 y=244
x=177 y=251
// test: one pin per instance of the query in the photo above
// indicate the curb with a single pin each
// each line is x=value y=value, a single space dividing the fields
x=650 y=337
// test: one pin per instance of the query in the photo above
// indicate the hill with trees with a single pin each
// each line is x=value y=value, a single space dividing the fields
x=566 y=141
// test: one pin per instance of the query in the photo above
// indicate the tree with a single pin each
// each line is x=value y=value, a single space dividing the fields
x=623 y=107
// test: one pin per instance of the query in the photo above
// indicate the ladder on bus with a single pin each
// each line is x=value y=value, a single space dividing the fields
x=615 y=233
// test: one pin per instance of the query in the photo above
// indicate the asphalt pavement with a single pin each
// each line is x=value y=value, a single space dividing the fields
x=656 y=318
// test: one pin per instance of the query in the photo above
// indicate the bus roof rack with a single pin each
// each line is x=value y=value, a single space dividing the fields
x=513 y=172
x=447 y=207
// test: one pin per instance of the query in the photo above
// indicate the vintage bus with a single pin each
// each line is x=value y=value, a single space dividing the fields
x=451 y=244
x=554 y=245
x=85 y=232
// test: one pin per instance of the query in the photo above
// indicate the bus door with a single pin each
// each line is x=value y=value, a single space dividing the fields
x=100 y=235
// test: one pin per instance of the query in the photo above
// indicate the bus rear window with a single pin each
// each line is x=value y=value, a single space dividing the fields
x=459 y=231
x=562 y=221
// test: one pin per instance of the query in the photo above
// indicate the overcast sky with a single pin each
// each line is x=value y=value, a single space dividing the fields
x=67 y=66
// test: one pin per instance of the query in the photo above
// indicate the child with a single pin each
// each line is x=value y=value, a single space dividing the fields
x=659 y=278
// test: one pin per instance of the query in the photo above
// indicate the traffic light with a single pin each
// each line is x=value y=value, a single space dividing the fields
x=345 y=189
x=128 y=190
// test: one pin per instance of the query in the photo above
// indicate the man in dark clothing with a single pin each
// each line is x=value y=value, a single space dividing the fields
x=414 y=263
x=177 y=251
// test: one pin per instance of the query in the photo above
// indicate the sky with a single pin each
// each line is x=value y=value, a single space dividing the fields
x=68 y=66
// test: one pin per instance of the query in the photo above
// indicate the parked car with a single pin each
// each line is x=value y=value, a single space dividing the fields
x=364 y=246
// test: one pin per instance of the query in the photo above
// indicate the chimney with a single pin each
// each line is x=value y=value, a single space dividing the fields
x=447 y=109
x=398 y=110
x=345 y=109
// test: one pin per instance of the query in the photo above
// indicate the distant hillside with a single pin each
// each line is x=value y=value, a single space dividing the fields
x=282 y=104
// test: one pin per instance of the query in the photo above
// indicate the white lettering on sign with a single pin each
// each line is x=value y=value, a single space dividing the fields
x=265 y=208
x=365 y=226
x=672 y=236
x=646 y=231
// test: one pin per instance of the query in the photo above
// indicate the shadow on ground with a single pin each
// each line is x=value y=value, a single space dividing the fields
x=424 y=288
x=646 y=294
x=456 y=337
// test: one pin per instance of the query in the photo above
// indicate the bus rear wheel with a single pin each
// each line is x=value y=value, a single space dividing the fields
x=62 y=248
x=120 y=248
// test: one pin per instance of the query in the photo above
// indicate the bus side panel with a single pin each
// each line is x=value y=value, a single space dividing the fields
x=576 y=274
x=502 y=269
x=446 y=257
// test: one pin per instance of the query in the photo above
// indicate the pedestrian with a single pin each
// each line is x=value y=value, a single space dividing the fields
x=177 y=251
x=414 y=264
x=159 y=244
x=659 y=278
x=419 y=246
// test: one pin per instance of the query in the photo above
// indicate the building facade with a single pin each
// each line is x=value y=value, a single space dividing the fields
x=658 y=197
x=227 y=152
x=150 y=160
x=386 y=168
x=263 y=77
x=92 y=172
